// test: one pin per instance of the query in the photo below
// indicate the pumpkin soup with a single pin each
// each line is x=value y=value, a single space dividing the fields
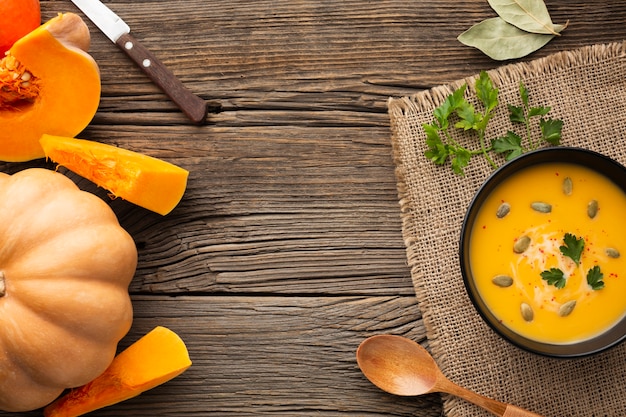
x=545 y=253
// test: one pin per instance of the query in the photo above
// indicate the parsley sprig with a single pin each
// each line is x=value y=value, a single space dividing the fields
x=554 y=276
x=573 y=248
x=456 y=112
x=512 y=145
x=594 y=278
x=441 y=144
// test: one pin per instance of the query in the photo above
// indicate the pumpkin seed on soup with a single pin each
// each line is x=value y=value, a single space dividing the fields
x=527 y=312
x=567 y=308
x=592 y=209
x=612 y=253
x=502 y=281
x=568 y=186
x=503 y=210
x=541 y=207
x=521 y=244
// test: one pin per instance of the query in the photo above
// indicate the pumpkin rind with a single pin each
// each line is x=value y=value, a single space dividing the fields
x=17 y=18
x=66 y=264
x=68 y=82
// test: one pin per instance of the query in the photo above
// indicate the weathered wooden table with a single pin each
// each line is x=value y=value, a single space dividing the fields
x=286 y=251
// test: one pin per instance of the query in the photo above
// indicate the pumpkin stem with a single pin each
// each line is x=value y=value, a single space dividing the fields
x=3 y=287
x=17 y=85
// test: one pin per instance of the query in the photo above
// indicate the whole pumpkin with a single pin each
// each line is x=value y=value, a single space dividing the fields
x=65 y=268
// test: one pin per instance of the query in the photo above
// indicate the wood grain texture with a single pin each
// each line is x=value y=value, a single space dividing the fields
x=286 y=250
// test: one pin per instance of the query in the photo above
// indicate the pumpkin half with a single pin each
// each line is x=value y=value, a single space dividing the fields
x=65 y=268
x=48 y=84
x=141 y=179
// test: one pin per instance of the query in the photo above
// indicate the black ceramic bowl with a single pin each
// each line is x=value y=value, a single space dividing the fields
x=592 y=160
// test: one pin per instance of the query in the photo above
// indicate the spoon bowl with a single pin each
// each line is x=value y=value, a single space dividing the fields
x=401 y=366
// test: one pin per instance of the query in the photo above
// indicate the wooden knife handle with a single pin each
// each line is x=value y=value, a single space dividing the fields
x=194 y=107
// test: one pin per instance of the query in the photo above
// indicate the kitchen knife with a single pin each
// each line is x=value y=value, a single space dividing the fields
x=194 y=107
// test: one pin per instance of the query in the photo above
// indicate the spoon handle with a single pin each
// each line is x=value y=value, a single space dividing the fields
x=513 y=411
x=495 y=407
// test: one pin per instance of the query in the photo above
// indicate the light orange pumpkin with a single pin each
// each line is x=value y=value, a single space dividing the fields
x=48 y=84
x=65 y=267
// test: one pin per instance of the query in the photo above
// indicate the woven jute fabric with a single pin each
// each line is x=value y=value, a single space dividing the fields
x=586 y=88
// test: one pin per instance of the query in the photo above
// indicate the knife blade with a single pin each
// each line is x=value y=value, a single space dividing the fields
x=194 y=107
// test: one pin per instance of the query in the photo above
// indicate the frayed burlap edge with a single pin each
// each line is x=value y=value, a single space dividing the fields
x=430 y=99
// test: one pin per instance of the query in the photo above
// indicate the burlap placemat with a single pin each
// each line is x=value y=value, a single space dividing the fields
x=586 y=89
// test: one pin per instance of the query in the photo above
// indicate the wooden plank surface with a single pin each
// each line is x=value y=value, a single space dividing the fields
x=286 y=251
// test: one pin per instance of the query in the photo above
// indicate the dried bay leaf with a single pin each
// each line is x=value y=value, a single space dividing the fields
x=529 y=15
x=500 y=40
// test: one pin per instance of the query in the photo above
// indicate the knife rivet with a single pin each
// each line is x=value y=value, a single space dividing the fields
x=146 y=63
x=128 y=45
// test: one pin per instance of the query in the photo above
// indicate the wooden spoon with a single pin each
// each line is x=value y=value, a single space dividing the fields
x=401 y=366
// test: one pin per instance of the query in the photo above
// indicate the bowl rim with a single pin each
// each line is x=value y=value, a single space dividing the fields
x=574 y=155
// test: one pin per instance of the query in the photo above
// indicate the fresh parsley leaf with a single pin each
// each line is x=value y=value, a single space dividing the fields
x=467 y=115
x=523 y=93
x=594 y=278
x=510 y=145
x=516 y=114
x=551 y=130
x=460 y=160
x=486 y=93
x=538 y=111
x=438 y=153
x=572 y=247
x=449 y=107
x=554 y=276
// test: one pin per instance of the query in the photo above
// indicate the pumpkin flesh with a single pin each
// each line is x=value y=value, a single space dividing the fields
x=48 y=84
x=65 y=267
x=143 y=180
x=154 y=359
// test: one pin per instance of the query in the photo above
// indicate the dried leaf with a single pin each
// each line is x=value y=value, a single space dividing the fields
x=529 y=15
x=501 y=41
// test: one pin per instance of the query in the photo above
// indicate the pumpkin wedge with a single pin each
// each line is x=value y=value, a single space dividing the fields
x=141 y=179
x=48 y=84
x=156 y=358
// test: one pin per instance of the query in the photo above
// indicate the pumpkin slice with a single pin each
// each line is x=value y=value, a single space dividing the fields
x=154 y=359
x=48 y=84
x=143 y=180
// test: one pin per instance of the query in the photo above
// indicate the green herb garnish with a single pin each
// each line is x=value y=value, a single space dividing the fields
x=441 y=144
x=511 y=145
x=594 y=278
x=573 y=247
x=457 y=112
x=554 y=276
